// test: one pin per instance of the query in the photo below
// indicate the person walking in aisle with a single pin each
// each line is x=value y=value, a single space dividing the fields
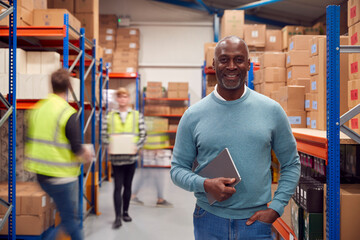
x=249 y=125
x=53 y=151
x=124 y=121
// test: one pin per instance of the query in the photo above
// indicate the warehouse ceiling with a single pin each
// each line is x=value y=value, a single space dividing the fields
x=273 y=12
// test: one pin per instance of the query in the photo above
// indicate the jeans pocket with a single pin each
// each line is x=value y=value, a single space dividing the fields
x=199 y=212
x=265 y=223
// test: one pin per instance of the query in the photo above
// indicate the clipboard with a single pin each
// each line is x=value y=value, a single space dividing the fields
x=221 y=166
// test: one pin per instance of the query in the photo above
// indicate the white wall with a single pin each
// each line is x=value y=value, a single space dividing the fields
x=171 y=40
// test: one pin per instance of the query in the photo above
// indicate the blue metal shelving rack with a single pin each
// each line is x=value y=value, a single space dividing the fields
x=11 y=116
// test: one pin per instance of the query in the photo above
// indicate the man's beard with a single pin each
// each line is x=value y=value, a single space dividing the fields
x=237 y=86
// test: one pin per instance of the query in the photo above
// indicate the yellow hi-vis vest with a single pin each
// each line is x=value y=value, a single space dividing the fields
x=130 y=126
x=47 y=150
x=157 y=140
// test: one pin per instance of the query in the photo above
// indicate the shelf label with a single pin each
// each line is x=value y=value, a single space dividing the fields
x=255 y=34
x=272 y=39
x=307 y=121
x=312 y=68
x=289 y=74
x=354 y=94
x=313 y=124
x=291 y=237
x=294 y=120
x=354 y=123
x=314 y=105
x=313 y=85
x=307 y=103
x=313 y=48
x=132 y=32
x=354 y=67
x=291 y=46
x=354 y=39
x=353 y=12
x=132 y=45
x=288 y=59
x=109 y=38
x=109 y=31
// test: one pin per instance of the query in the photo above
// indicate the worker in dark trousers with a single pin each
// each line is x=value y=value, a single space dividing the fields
x=120 y=122
x=54 y=152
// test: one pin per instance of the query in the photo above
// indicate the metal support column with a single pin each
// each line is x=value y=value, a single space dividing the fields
x=93 y=123
x=106 y=113
x=137 y=91
x=203 y=82
x=12 y=120
x=333 y=123
x=66 y=42
x=216 y=27
x=82 y=110
x=100 y=119
x=251 y=76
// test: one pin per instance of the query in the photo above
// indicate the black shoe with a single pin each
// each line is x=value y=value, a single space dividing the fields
x=126 y=217
x=117 y=223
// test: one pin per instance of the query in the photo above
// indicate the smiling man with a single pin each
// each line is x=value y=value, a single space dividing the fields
x=249 y=125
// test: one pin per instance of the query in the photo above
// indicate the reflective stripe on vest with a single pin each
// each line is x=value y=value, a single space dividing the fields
x=47 y=150
x=157 y=141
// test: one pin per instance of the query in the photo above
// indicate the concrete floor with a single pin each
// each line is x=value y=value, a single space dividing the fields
x=149 y=222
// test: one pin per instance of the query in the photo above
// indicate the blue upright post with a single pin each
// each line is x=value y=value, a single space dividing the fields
x=66 y=42
x=203 y=82
x=93 y=122
x=216 y=27
x=333 y=126
x=82 y=109
x=12 y=120
x=137 y=91
x=100 y=119
x=251 y=77
x=106 y=111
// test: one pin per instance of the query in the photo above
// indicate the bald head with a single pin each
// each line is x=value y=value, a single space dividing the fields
x=233 y=40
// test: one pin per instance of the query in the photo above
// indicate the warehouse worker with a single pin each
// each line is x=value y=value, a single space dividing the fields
x=53 y=151
x=249 y=125
x=124 y=121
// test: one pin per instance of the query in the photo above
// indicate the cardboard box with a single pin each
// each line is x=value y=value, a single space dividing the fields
x=207 y=45
x=318 y=120
x=54 y=17
x=178 y=86
x=34 y=203
x=210 y=57
x=177 y=110
x=353 y=66
x=108 y=20
x=353 y=15
x=349 y=210
x=65 y=4
x=33 y=62
x=21 y=61
x=254 y=35
x=354 y=34
x=292 y=98
x=274 y=74
x=90 y=22
x=308 y=101
x=129 y=69
x=232 y=23
x=24 y=17
x=355 y=123
x=288 y=32
x=297 y=58
x=317 y=65
x=300 y=42
x=297 y=119
x=50 y=62
x=27 y=225
x=273 y=41
x=267 y=88
x=127 y=31
x=87 y=6
x=211 y=79
x=272 y=59
x=317 y=44
x=311 y=31
x=353 y=93
x=258 y=76
x=301 y=82
x=255 y=56
x=40 y=4
x=296 y=72
x=275 y=95
x=130 y=45
x=308 y=119
x=128 y=38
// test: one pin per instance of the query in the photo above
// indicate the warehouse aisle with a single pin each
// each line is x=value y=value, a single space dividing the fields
x=149 y=222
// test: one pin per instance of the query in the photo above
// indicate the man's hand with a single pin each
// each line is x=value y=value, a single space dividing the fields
x=268 y=216
x=218 y=188
x=86 y=155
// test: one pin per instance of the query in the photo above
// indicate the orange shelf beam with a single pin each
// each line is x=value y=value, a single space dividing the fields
x=31 y=31
x=312 y=145
x=284 y=230
x=209 y=71
x=123 y=75
x=167 y=99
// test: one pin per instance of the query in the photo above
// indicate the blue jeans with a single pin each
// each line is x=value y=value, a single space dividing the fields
x=66 y=198
x=211 y=227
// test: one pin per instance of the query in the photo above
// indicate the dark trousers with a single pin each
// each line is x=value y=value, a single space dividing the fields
x=123 y=176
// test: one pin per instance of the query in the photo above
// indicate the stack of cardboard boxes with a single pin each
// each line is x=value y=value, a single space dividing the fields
x=35 y=211
x=107 y=37
x=87 y=12
x=354 y=61
x=126 y=54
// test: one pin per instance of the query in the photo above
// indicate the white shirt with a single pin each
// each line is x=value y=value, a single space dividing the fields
x=221 y=98
x=123 y=115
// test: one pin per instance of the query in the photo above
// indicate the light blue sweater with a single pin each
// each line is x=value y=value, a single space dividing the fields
x=249 y=127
